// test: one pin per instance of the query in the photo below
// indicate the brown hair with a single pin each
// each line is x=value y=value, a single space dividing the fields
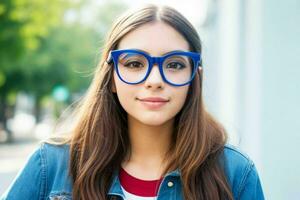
x=100 y=139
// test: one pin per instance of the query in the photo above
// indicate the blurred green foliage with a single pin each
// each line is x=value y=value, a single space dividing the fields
x=65 y=57
x=23 y=23
x=40 y=49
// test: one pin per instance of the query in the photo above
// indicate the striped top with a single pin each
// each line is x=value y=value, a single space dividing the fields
x=138 y=189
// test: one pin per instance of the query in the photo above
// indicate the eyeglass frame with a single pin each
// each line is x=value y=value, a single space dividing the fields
x=195 y=56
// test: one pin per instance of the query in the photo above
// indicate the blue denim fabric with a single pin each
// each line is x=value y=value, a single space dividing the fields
x=45 y=176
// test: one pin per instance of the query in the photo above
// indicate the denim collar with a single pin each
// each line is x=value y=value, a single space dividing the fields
x=115 y=188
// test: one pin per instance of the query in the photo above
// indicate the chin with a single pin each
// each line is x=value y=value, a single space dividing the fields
x=153 y=121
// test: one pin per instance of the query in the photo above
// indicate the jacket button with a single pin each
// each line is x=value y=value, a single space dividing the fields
x=170 y=184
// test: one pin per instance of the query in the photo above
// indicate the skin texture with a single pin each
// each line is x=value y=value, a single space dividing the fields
x=150 y=129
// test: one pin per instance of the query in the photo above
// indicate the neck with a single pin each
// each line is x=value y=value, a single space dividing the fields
x=149 y=144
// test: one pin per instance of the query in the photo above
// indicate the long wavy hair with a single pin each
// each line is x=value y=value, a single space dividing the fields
x=100 y=141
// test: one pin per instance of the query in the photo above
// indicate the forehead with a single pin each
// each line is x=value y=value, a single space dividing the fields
x=156 y=38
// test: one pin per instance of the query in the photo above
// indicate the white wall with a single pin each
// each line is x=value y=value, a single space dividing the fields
x=252 y=84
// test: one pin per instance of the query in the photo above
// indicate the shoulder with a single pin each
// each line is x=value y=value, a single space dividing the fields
x=55 y=158
x=51 y=152
x=236 y=156
x=47 y=169
x=236 y=163
x=241 y=173
x=56 y=163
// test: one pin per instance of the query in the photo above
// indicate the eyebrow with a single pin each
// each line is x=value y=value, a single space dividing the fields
x=161 y=55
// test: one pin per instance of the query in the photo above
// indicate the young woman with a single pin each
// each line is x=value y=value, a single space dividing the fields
x=143 y=132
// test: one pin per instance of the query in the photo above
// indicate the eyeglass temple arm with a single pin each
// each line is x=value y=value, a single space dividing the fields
x=109 y=58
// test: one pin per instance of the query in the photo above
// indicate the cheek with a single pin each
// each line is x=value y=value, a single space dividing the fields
x=124 y=92
x=180 y=97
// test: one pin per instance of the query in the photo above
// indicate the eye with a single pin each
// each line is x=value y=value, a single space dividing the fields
x=175 y=66
x=134 y=64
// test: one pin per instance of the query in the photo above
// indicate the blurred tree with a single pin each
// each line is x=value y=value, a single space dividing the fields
x=109 y=12
x=65 y=58
x=22 y=23
x=41 y=49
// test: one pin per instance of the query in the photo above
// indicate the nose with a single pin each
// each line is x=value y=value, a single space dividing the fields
x=154 y=80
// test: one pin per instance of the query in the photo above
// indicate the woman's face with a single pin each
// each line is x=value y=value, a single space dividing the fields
x=156 y=38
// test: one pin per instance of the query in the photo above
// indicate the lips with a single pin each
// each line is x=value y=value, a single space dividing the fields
x=153 y=102
x=154 y=99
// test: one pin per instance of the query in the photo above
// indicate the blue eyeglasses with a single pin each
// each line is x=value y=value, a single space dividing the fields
x=176 y=68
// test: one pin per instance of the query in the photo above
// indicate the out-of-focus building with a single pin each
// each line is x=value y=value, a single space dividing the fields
x=252 y=81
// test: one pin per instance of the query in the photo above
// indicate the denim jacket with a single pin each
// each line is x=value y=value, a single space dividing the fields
x=45 y=176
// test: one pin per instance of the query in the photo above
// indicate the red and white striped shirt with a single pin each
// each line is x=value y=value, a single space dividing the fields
x=138 y=189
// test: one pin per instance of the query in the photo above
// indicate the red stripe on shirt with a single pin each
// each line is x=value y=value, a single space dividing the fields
x=139 y=187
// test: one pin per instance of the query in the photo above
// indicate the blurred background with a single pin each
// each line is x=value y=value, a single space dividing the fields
x=49 y=49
